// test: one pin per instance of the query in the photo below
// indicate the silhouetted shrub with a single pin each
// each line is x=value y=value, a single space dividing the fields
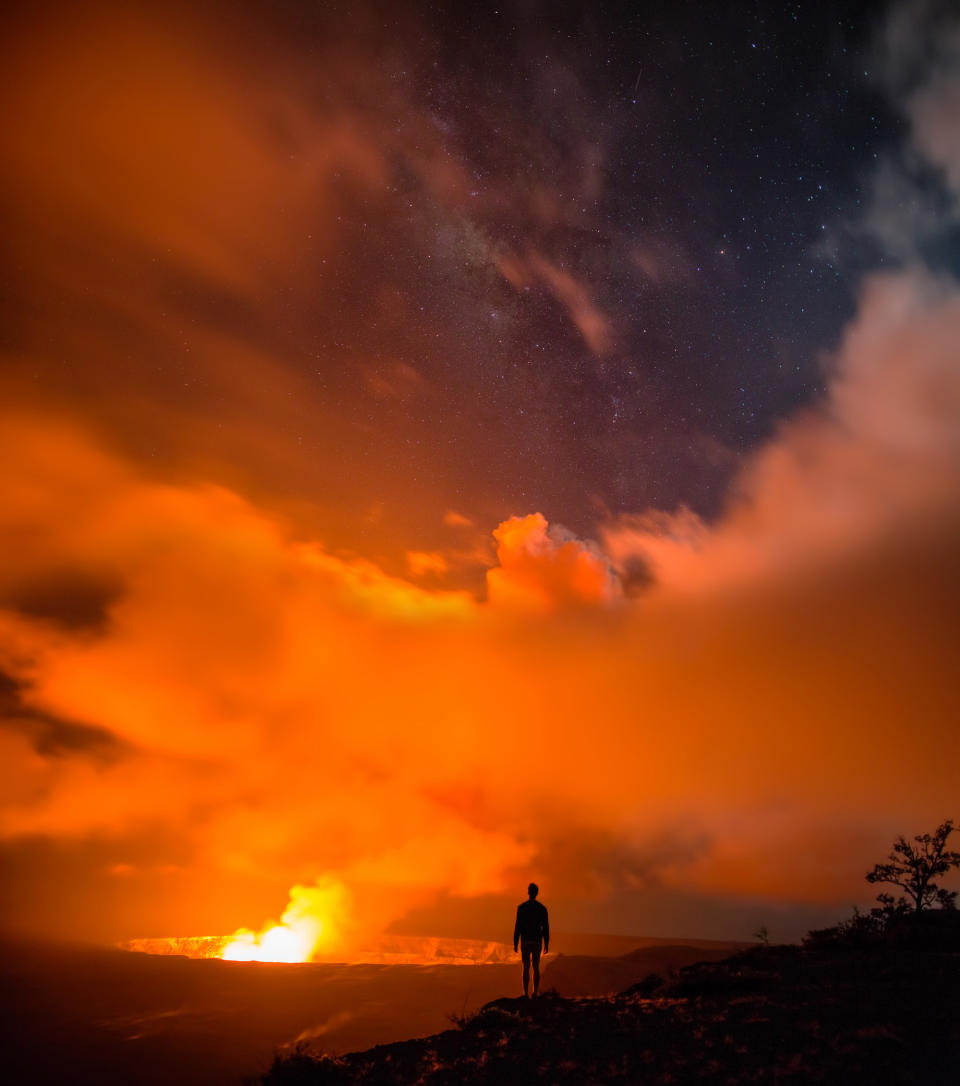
x=651 y=985
x=926 y=918
x=714 y=979
x=300 y=1067
x=858 y=931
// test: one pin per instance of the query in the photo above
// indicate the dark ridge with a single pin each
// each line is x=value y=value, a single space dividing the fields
x=768 y=1015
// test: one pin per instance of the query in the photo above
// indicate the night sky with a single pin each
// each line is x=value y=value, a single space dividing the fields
x=578 y=262
x=329 y=287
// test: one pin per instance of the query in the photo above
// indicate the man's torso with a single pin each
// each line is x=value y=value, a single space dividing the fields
x=531 y=917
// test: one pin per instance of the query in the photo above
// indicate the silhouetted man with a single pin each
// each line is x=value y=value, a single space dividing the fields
x=531 y=929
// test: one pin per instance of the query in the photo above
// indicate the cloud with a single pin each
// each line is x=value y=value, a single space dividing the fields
x=295 y=714
x=188 y=164
x=657 y=711
x=593 y=325
x=933 y=111
x=902 y=214
x=453 y=519
x=914 y=191
x=875 y=460
x=394 y=381
x=420 y=563
x=198 y=683
x=268 y=260
x=542 y=568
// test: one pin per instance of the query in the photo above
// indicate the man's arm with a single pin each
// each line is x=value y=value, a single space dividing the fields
x=546 y=930
x=516 y=930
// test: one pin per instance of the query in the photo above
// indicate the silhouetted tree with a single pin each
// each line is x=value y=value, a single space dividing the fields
x=913 y=867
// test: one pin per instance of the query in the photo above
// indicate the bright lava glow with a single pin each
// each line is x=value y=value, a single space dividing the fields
x=281 y=943
x=313 y=916
x=379 y=950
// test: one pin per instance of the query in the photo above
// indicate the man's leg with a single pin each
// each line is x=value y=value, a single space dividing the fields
x=536 y=971
x=525 y=952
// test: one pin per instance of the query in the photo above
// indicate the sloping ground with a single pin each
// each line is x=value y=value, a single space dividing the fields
x=89 y=1015
x=777 y=1015
x=586 y=975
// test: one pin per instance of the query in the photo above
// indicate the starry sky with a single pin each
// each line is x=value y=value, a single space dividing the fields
x=578 y=263
x=620 y=337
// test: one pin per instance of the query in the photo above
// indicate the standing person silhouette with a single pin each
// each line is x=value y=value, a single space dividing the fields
x=531 y=929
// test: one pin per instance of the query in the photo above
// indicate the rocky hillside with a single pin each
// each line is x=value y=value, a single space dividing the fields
x=778 y=1014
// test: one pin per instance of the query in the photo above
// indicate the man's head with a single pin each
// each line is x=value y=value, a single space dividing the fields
x=533 y=890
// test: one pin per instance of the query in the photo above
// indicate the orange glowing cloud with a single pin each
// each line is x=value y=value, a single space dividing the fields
x=160 y=154
x=207 y=698
x=420 y=563
x=300 y=716
x=542 y=569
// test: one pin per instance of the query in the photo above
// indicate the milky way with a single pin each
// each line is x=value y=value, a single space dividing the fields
x=503 y=259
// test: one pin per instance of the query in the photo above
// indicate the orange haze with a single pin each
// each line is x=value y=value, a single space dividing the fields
x=756 y=719
x=224 y=677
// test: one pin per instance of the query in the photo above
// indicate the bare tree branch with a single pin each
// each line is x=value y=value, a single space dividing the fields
x=913 y=867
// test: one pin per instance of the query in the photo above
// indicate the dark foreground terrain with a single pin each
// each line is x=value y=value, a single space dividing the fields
x=768 y=1015
x=93 y=1016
